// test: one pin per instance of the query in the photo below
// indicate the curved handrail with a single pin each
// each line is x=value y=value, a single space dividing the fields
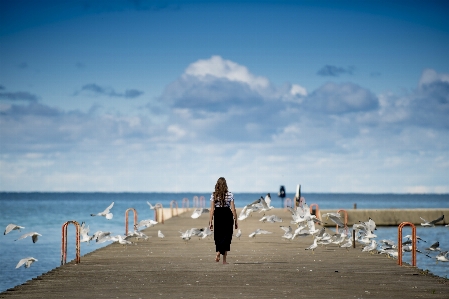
x=185 y=204
x=64 y=242
x=126 y=219
x=171 y=207
x=195 y=202
x=400 y=243
x=158 y=207
x=202 y=202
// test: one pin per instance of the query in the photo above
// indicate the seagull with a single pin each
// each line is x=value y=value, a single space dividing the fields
x=151 y=206
x=370 y=247
x=160 y=234
x=434 y=247
x=84 y=231
x=313 y=246
x=271 y=219
x=137 y=234
x=33 y=236
x=106 y=212
x=442 y=256
x=206 y=232
x=11 y=227
x=409 y=237
x=146 y=223
x=258 y=232
x=238 y=234
x=248 y=209
x=347 y=245
x=27 y=261
x=121 y=240
x=101 y=237
x=198 y=211
x=431 y=223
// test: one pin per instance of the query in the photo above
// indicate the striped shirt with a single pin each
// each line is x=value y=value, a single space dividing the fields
x=229 y=198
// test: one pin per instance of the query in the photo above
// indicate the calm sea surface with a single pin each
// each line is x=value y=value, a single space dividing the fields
x=45 y=213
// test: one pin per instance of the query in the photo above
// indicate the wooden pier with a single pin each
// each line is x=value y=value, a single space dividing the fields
x=266 y=266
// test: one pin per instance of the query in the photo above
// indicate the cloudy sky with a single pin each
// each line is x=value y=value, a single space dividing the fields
x=338 y=96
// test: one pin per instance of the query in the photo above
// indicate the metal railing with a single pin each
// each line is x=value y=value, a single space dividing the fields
x=126 y=219
x=400 y=242
x=185 y=204
x=64 y=242
x=158 y=207
x=174 y=202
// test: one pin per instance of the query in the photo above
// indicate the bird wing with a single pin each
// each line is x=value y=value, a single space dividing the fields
x=424 y=220
x=437 y=220
x=151 y=206
x=11 y=227
x=108 y=208
x=24 y=236
x=21 y=262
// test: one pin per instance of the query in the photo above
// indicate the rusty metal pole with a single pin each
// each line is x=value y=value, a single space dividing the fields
x=64 y=242
x=126 y=219
x=400 y=242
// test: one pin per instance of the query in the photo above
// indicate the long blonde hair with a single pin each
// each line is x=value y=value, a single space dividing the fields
x=221 y=189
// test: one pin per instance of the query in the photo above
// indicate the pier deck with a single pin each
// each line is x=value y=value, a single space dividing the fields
x=264 y=267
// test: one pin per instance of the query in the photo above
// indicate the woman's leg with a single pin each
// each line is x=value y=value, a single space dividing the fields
x=224 y=258
x=217 y=257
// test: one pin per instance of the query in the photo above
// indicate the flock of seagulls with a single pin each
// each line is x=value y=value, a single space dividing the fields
x=303 y=222
x=98 y=236
x=34 y=236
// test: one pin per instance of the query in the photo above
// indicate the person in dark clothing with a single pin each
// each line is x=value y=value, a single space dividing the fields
x=222 y=212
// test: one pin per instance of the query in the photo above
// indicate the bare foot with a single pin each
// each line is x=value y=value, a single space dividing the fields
x=225 y=263
x=217 y=258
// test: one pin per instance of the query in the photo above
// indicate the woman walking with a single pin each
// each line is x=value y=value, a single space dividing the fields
x=222 y=212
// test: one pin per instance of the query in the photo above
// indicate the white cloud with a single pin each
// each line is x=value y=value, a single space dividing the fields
x=218 y=119
x=220 y=68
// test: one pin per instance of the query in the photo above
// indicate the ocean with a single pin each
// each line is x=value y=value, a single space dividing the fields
x=45 y=213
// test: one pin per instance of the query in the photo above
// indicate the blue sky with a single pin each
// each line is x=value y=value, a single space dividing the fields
x=338 y=96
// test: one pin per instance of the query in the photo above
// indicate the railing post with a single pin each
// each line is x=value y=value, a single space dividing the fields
x=158 y=207
x=64 y=242
x=185 y=204
x=317 y=210
x=288 y=201
x=202 y=202
x=126 y=219
x=346 y=220
x=171 y=207
x=400 y=242
x=195 y=202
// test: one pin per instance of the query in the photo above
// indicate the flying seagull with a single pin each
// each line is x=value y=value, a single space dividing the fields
x=33 y=236
x=27 y=261
x=431 y=223
x=11 y=227
x=106 y=212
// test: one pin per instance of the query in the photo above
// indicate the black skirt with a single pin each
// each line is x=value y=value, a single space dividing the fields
x=223 y=229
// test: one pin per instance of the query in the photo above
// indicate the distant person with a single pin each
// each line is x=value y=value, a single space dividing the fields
x=222 y=212
x=281 y=192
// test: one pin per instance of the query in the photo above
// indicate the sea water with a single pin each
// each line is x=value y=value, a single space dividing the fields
x=45 y=213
